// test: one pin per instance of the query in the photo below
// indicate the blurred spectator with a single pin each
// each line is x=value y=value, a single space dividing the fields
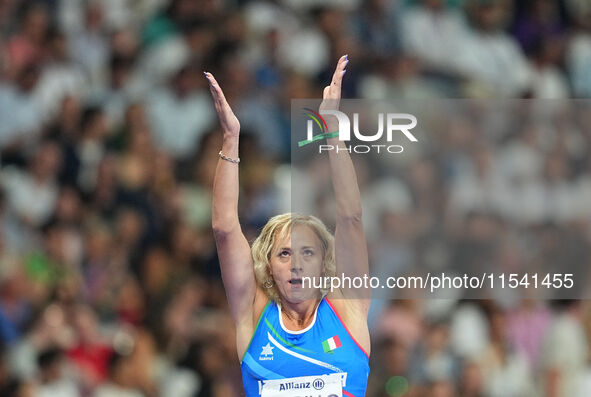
x=121 y=381
x=377 y=25
x=472 y=381
x=18 y=388
x=122 y=89
x=526 y=327
x=19 y=112
x=52 y=381
x=32 y=195
x=578 y=56
x=507 y=372
x=548 y=80
x=180 y=112
x=397 y=77
x=195 y=194
x=564 y=353
x=493 y=57
x=538 y=20
x=394 y=359
x=433 y=363
x=26 y=47
x=481 y=187
x=89 y=45
x=89 y=352
x=437 y=35
x=305 y=48
x=60 y=77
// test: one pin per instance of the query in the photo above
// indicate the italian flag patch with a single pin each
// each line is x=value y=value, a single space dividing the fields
x=331 y=344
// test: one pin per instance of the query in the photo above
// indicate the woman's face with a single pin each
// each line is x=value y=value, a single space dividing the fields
x=297 y=255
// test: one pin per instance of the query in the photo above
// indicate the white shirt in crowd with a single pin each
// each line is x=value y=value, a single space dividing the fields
x=178 y=123
x=61 y=388
x=112 y=390
x=19 y=114
x=437 y=38
x=27 y=197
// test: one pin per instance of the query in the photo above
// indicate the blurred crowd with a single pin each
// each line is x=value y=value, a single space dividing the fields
x=109 y=281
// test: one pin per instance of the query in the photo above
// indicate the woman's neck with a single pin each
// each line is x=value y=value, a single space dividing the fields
x=299 y=315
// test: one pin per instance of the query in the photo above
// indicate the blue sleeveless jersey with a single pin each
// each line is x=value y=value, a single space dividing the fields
x=324 y=347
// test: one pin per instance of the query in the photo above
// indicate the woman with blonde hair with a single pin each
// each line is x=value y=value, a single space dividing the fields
x=294 y=340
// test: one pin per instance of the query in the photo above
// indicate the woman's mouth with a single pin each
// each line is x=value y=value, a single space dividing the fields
x=296 y=282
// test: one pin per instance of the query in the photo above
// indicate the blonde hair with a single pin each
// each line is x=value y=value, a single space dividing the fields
x=280 y=226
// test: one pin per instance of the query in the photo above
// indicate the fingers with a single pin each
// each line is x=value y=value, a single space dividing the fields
x=227 y=118
x=216 y=90
x=340 y=71
x=333 y=91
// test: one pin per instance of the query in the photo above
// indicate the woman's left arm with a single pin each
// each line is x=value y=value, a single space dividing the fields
x=350 y=244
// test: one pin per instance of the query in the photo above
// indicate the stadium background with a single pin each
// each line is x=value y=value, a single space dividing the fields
x=109 y=283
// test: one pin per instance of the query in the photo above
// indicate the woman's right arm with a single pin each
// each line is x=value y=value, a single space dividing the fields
x=233 y=248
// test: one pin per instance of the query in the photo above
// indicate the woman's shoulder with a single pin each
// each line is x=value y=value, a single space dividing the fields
x=247 y=328
x=261 y=301
x=353 y=316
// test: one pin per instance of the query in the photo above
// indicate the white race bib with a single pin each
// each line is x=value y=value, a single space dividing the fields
x=305 y=386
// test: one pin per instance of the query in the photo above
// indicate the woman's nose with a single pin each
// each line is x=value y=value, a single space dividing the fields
x=296 y=263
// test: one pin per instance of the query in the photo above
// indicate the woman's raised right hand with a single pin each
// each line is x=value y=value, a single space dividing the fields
x=229 y=122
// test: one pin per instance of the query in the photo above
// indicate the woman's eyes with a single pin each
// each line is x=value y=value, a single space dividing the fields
x=286 y=253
